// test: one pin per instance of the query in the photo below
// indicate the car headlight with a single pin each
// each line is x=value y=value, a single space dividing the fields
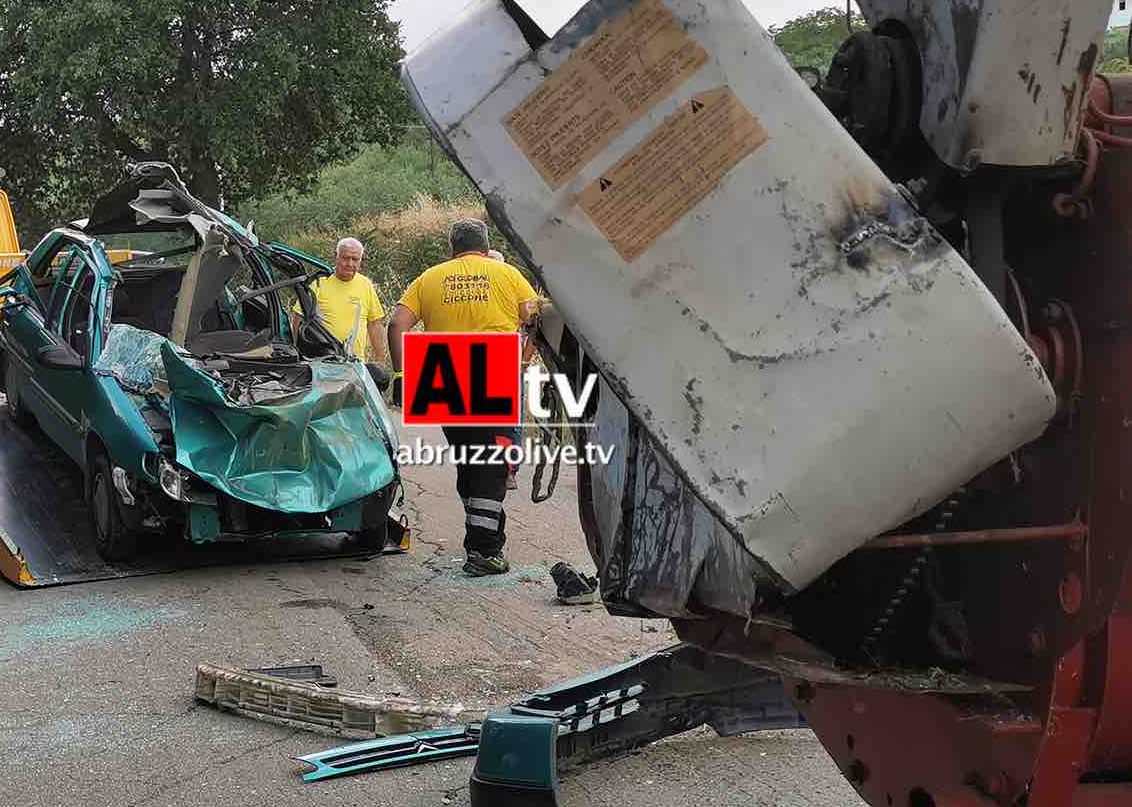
x=172 y=481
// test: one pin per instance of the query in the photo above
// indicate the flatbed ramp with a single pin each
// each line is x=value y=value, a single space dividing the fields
x=46 y=536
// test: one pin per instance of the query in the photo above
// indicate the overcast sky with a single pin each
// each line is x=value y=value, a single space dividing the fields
x=420 y=18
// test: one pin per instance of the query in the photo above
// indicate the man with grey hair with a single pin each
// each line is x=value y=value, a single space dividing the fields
x=470 y=293
x=348 y=303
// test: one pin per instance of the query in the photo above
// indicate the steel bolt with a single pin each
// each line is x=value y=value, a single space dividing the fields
x=804 y=692
x=1070 y=593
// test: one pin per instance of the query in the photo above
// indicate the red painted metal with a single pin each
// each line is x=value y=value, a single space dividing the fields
x=1061 y=760
x=1112 y=744
x=1065 y=741
x=1100 y=98
x=1107 y=118
x=922 y=749
x=1050 y=607
x=1103 y=795
x=1113 y=140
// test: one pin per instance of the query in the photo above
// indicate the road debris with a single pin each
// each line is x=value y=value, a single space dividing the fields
x=311 y=673
x=574 y=588
x=521 y=748
x=306 y=705
x=393 y=752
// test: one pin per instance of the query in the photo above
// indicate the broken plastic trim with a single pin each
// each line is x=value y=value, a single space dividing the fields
x=312 y=708
x=393 y=752
x=607 y=712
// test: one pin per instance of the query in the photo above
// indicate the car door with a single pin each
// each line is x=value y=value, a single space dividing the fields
x=64 y=365
x=48 y=338
x=24 y=331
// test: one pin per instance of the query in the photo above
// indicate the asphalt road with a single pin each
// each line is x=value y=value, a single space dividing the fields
x=96 y=679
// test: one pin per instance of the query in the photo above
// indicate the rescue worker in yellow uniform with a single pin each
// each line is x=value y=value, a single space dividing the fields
x=502 y=301
x=350 y=309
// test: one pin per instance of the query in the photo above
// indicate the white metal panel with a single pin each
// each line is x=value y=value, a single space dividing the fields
x=816 y=374
x=453 y=82
x=1005 y=81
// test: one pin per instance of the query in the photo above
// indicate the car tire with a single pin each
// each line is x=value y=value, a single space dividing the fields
x=113 y=538
x=372 y=540
x=375 y=520
x=16 y=410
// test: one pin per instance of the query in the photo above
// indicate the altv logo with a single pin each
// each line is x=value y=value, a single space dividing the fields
x=475 y=379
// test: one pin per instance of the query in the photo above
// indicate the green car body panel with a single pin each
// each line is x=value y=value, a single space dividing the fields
x=56 y=322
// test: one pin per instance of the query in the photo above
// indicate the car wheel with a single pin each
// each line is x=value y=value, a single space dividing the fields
x=113 y=539
x=375 y=520
x=371 y=539
x=16 y=410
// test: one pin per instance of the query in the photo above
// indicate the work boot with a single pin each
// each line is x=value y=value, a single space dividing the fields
x=574 y=588
x=478 y=565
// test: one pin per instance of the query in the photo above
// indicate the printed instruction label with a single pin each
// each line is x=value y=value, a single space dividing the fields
x=643 y=196
x=631 y=64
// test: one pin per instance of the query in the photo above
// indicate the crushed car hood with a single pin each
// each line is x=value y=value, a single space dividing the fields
x=263 y=438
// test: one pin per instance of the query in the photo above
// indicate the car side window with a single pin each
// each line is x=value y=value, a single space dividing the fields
x=69 y=262
x=74 y=326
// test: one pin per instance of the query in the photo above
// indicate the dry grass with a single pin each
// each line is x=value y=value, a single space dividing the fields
x=425 y=217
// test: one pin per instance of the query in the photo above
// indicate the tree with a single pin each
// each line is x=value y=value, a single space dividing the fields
x=244 y=97
x=1114 y=57
x=812 y=39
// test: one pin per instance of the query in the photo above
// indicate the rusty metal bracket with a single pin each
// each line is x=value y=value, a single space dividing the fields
x=1073 y=531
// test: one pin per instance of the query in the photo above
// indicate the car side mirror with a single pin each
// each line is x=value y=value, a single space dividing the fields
x=12 y=298
x=59 y=357
x=7 y=291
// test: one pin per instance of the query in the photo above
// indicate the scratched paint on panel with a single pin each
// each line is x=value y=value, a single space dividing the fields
x=653 y=187
x=631 y=64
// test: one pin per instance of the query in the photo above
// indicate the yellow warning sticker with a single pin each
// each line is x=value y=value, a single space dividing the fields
x=653 y=187
x=630 y=64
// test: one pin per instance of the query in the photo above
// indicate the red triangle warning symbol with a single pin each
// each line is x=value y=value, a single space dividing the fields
x=697 y=106
x=605 y=184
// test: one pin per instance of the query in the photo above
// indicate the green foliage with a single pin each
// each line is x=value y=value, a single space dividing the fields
x=377 y=180
x=399 y=246
x=399 y=201
x=239 y=95
x=1115 y=44
x=1114 y=58
x=812 y=39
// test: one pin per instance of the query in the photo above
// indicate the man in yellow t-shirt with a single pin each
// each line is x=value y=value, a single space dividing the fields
x=348 y=303
x=470 y=293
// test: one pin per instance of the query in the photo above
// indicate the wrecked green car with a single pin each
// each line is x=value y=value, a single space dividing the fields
x=172 y=379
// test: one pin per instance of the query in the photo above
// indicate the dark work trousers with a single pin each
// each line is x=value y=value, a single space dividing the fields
x=481 y=488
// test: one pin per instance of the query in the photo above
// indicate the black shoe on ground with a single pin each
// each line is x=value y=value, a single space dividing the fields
x=574 y=588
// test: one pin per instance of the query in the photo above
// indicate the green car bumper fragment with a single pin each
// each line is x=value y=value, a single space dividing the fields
x=313 y=450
